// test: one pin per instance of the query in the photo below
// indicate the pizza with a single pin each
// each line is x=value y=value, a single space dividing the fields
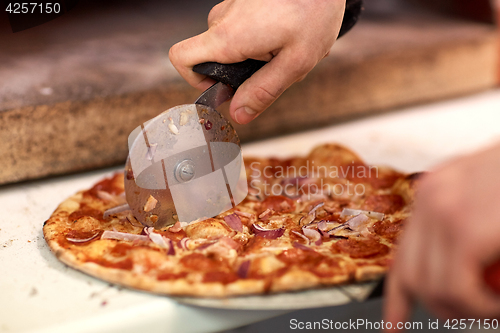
x=314 y=221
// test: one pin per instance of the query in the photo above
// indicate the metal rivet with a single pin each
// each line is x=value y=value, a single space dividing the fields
x=184 y=171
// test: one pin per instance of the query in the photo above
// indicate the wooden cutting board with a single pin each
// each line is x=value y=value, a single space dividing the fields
x=72 y=89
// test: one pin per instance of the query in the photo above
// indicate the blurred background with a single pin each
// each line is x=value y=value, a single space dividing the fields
x=72 y=89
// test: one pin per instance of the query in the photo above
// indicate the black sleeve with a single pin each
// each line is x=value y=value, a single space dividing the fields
x=353 y=10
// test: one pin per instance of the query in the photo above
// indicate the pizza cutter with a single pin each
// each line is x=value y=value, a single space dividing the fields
x=185 y=164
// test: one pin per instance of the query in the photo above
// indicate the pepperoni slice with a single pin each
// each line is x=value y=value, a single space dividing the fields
x=300 y=257
x=359 y=172
x=367 y=248
x=387 y=229
x=384 y=203
x=278 y=203
x=314 y=262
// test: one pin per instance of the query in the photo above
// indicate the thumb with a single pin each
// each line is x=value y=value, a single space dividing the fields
x=258 y=92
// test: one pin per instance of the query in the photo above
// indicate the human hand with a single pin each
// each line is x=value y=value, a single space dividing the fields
x=293 y=36
x=453 y=234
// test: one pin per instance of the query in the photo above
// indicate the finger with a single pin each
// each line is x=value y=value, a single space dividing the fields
x=398 y=303
x=436 y=263
x=216 y=13
x=196 y=50
x=266 y=85
x=405 y=272
x=204 y=47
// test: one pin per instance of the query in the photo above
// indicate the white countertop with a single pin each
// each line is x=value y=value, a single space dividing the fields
x=38 y=293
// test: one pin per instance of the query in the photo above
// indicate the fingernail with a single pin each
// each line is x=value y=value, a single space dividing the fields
x=244 y=115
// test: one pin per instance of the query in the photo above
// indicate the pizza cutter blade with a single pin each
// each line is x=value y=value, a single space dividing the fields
x=185 y=164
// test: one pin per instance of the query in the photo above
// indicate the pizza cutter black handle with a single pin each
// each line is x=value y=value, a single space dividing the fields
x=231 y=74
x=353 y=9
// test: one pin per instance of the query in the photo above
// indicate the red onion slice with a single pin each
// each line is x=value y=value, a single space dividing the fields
x=298 y=245
x=115 y=210
x=82 y=240
x=357 y=221
x=311 y=225
x=239 y=213
x=243 y=269
x=322 y=226
x=184 y=243
x=234 y=222
x=373 y=215
x=338 y=228
x=324 y=233
x=267 y=233
x=176 y=227
x=338 y=237
x=313 y=210
x=205 y=245
x=105 y=196
x=123 y=236
x=332 y=232
x=156 y=238
x=268 y=212
x=311 y=216
x=117 y=199
x=302 y=236
x=312 y=234
x=308 y=219
x=171 y=249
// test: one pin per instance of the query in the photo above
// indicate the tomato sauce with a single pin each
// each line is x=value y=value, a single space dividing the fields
x=107 y=185
x=85 y=210
x=221 y=277
x=171 y=276
x=126 y=264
